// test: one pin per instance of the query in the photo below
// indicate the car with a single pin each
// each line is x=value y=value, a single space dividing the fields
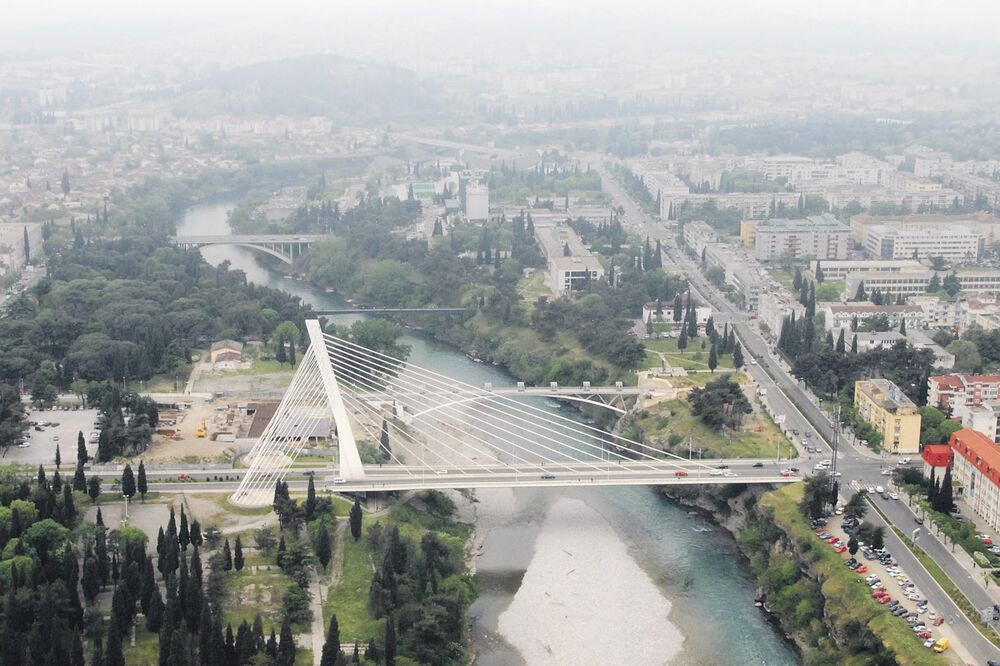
x=183 y=477
x=24 y=445
x=787 y=474
x=882 y=600
x=938 y=622
x=679 y=472
x=55 y=438
x=753 y=361
x=932 y=616
x=870 y=490
x=941 y=645
x=924 y=634
x=549 y=477
x=918 y=520
x=440 y=471
x=340 y=480
x=730 y=475
x=39 y=428
x=879 y=489
x=758 y=465
x=929 y=642
x=886 y=472
x=715 y=472
x=794 y=469
x=894 y=496
x=861 y=569
x=840 y=549
x=833 y=539
x=722 y=467
x=987 y=542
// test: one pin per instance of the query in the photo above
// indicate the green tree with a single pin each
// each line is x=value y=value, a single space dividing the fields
x=310 y=506
x=852 y=545
x=238 y=554
x=114 y=655
x=128 y=482
x=227 y=557
x=286 y=645
x=356 y=519
x=967 y=357
x=737 y=356
x=682 y=339
x=856 y=506
x=324 y=547
x=142 y=486
x=389 y=650
x=94 y=488
x=79 y=479
x=332 y=655
x=713 y=358
x=81 y=448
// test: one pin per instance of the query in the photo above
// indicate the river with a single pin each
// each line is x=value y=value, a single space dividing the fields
x=571 y=577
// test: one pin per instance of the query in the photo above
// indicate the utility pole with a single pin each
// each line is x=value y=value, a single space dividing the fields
x=836 y=439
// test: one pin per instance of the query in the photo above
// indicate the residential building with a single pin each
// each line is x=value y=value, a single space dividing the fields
x=774 y=306
x=697 y=234
x=226 y=354
x=914 y=337
x=667 y=187
x=838 y=269
x=885 y=407
x=841 y=315
x=569 y=270
x=818 y=236
x=954 y=243
x=748 y=232
x=976 y=469
x=745 y=276
x=940 y=312
x=751 y=205
x=949 y=392
x=981 y=418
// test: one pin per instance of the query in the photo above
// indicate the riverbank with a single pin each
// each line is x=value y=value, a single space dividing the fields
x=565 y=586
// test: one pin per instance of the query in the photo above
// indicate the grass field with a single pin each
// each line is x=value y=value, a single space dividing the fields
x=249 y=593
x=760 y=439
x=693 y=358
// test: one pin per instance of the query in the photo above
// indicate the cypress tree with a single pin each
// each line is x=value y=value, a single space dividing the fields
x=195 y=535
x=81 y=448
x=713 y=358
x=154 y=614
x=114 y=656
x=331 y=648
x=227 y=557
x=390 y=641
x=324 y=547
x=841 y=345
x=142 y=486
x=286 y=646
x=69 y=505
x=183 y=535
x=310 y=506
x=128 y=482
x=238 y=554
x=356 y=519
x=178 y=653
x=79 y=479
x=738 y=356
x=854 y=344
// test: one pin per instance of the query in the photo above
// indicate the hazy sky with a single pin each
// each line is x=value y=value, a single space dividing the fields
x=353 y=25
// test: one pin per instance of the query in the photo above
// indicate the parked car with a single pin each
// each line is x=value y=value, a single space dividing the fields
x=758 y=464
x=679 y=472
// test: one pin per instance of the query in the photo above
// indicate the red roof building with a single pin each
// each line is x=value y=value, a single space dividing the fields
x=977 y=469
x=937 y=455
x=944 y=391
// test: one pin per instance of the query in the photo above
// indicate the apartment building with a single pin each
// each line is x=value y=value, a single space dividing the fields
x=976 y=469
x=885 y=407
x=697 y=234
x=817 y=236
x=984 y=224
x=914 y=337
x=948 y=392
x=746 y=277
x=774 y=306
x=752 y=205
x=915 y=283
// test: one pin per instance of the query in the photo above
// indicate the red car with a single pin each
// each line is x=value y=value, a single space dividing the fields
x=833 y=540
x=884 y=600
x=987 y=541
x=924 y=634
x=840 y=549
x=938 y=621
x=680 y=472
x=862 y=569
x=879 y=593
x=787 y=474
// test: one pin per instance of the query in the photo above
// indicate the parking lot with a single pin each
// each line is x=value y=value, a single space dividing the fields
x=42 y=448
x=889 y=583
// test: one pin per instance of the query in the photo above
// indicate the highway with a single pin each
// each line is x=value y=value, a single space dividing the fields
x=787 y=397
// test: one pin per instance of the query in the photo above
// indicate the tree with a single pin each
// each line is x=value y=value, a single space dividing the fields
x=682 y=340
x=58 y=457
x=819 y=273
x=737 y=356
x=967 y=357
x=238 y=554
x=264 y=539
x=324 y=547
x=286 y=645
x=128 y=482
x=90 y=580
x=356 y=519
x=310 y=506
x=79 y=479
x=856 y=506
x=945 y=498
x=934 y=285
x=678 y=306
x=713 y=358
x=797 y=279
x=854 y=344
x=64 y=181
x=114 y=655
x=227 y=557
x=143 y=486
x=852 y=545
x=841 y=345
x=390 y=642
x=859 y=295
x=94 y=488
x=332 y=655
x=81 y=448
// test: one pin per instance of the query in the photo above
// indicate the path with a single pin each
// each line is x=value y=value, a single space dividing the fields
x=317 y=636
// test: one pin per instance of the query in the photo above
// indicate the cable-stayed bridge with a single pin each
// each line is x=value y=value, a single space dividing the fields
x=402 y=427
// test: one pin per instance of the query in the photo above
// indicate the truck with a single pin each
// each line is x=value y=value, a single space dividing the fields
x=941 y=645
x=201 y=431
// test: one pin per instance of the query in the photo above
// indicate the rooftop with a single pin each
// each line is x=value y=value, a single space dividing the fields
x=886 y=394
x=868 y=307
x=979 y=450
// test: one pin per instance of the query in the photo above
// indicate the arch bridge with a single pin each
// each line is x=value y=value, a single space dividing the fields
x=286 y=247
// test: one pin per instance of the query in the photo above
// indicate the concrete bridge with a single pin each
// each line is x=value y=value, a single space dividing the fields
x=287 y=247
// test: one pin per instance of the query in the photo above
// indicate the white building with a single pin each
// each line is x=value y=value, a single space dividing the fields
x=818 y=237
x=841 y=315
x=477 y=202
x=774 y=306
x=915 y=283
x=955 y=243
x=566 y=272
x=697 y=234
x=838 y=269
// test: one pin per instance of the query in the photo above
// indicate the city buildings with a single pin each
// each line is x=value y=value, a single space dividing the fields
x=702 y=312
x=915 y=283
x=976 y=469
x=885 y=407
x=936 y=457
x=477 y=201
x=915 y=338
x=568 y=263
x=817 y=236
x=774 y=306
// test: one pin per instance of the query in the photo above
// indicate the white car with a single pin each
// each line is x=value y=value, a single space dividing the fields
x=753 y=361
x=24 y=445
x=715 y=472
x=440 y=471
x=879 y=489
x=894 y=496
x=730 y=474
x=339 y=480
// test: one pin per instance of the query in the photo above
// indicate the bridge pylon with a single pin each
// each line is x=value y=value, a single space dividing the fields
x=309 y=403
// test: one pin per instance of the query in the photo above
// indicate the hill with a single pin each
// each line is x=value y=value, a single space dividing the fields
x=311 y=85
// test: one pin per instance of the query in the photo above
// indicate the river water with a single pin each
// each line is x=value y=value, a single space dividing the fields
x=570 y=577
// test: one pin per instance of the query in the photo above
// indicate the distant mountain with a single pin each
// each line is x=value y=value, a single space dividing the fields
x=312 y=85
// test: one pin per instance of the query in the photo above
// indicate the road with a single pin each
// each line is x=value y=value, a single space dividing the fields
x=787 y=397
